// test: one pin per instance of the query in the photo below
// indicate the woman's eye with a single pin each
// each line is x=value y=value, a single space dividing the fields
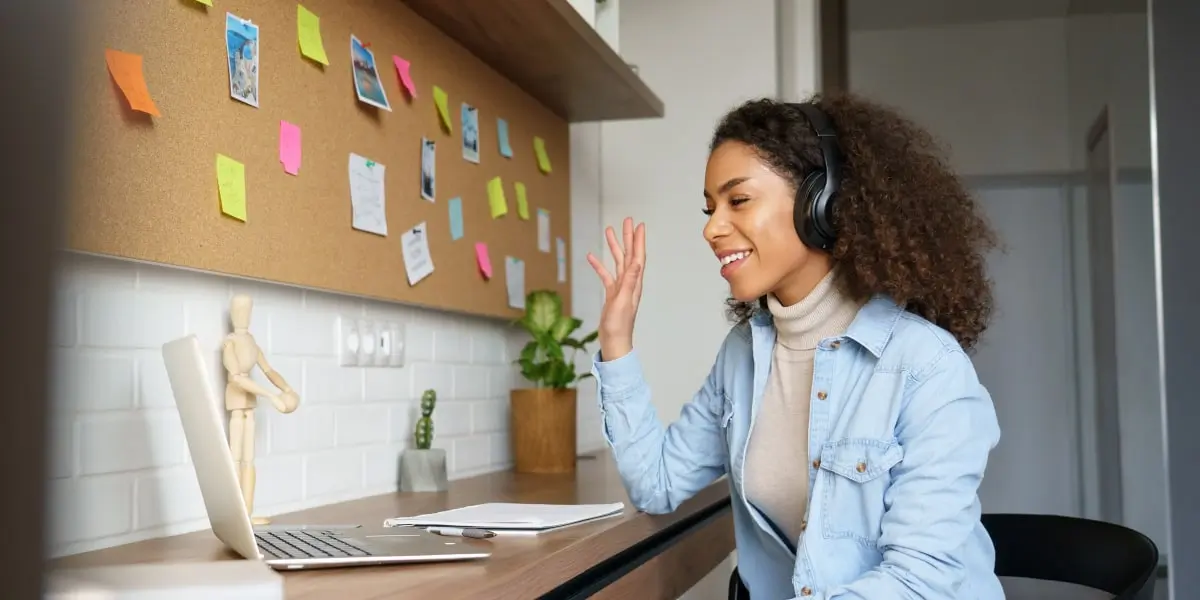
x=707 y=211
x=737 y=201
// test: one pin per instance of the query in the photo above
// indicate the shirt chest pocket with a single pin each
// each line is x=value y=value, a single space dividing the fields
x=856 y=474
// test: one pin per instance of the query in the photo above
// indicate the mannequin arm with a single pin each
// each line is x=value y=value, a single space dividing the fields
x=229 y=358
x=272 y=374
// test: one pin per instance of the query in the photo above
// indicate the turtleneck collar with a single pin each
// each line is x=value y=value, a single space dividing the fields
x=824 y=312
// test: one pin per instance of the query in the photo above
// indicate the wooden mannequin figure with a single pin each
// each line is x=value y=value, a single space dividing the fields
x=239 y=354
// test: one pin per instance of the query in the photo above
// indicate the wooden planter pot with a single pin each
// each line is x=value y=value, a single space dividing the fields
x=542 y=429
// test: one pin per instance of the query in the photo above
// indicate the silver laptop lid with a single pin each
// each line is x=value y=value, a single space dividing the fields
x=201 y=414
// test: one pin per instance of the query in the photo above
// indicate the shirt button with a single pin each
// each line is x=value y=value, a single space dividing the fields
x=806 y=591
x=803 y=524
x=822 y=395
x=835 y=344
x=817 y=464
x=861 y=467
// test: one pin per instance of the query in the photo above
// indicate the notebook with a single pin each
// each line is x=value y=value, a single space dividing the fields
x=507 y=518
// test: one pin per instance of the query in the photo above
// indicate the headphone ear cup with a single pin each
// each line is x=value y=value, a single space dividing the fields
x=805 y=209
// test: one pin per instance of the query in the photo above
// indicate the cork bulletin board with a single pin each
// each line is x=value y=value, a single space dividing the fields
x=146 y=187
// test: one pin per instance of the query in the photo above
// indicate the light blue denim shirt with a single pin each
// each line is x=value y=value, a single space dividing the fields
x=899 y=433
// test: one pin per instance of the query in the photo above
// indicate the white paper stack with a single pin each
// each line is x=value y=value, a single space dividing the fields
x=512 y=518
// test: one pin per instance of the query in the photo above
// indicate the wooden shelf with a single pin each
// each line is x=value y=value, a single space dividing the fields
x=546 y=48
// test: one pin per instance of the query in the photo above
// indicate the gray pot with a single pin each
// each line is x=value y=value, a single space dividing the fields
x=423 y=470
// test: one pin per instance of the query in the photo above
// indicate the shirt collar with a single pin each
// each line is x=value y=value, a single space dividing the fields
x=872 y=327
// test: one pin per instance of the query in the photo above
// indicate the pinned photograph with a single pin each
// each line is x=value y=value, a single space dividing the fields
x=241 y=50
x=470 y=129
x=366 y=75
x=427 y=169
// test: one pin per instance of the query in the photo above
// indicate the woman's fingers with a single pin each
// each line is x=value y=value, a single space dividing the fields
x=627 y=234
x=617 y=253
x=605 y=277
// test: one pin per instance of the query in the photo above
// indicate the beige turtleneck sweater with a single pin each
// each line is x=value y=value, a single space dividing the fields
x=777 y=460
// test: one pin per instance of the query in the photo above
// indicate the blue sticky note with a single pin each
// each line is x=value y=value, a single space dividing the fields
x=502 y=135
x=456 y=220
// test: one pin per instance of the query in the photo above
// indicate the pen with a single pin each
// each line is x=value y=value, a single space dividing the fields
x=468 y=532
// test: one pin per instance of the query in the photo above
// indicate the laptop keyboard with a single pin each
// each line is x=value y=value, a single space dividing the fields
x=303 y=543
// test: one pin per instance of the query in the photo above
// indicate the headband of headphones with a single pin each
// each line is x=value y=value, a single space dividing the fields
x=813 y=211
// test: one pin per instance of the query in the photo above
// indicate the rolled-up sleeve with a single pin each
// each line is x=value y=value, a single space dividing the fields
x=947 y=427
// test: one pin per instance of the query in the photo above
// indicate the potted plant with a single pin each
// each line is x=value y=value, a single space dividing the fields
x=542 y=417
x=423 y=468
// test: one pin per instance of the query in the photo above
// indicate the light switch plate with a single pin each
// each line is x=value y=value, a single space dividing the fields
x=398 y=345
x=369 y=343
x=383 y=353
x=348 y=342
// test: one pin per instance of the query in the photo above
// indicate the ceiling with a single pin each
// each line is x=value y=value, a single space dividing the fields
x=903 y=14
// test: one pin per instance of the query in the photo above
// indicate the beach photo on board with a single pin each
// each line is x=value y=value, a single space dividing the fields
x=366 y=75
x=470 y=129
x=241 y=50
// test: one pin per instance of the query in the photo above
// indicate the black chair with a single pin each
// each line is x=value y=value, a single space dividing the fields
x=1094 y=554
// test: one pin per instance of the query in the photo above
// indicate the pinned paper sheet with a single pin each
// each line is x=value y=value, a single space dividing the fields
x=417 y=261
x=308 y=29
x=495 y=191
x=543 y=230
x=522 y=201
x=483 y=260
x=439 y=98
x=502 y=136
x=539 y=148
x=456 y=219
x=514 y=281
x=367 y=203
x=126 y=70
x=231 y=184
x=403 y=68
x=289 y=147
x=562 y=260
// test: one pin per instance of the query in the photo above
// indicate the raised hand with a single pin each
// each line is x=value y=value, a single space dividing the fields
x=622 y=292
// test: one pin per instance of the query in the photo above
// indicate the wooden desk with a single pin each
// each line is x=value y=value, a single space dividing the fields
x=635 y=555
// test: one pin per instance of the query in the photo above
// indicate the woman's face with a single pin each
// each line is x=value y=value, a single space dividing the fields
x=751 y=231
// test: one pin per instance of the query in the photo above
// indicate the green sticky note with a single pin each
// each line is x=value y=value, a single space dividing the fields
x=522 y=201
x=231 y=183
x=495 y=191
x=539 y=148
x=308 y=28
x=439 y=98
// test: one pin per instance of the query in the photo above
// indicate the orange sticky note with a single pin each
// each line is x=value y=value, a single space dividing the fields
x=483 y=260
x=126 y=70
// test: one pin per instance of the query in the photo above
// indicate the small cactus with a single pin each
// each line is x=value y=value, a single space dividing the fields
x=424 y=430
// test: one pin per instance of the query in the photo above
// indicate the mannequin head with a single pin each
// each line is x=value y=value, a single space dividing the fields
x=239 y=312
x=906 y=226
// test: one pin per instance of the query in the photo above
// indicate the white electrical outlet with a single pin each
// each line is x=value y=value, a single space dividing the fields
x=398 y=346
x=348 y=342
x=368 y=343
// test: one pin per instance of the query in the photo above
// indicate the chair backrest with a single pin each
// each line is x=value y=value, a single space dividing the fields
x=1095 y=554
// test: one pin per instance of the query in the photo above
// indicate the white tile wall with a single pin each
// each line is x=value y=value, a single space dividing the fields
x=120 y=468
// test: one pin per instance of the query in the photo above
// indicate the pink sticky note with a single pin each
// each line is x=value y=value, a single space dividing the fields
x=402 y=67
x=289 y=147
x=481 y=257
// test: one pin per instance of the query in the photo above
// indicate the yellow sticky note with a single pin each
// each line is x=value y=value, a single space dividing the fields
x=522 y=201
x=308 y=29
x=539 y=148
x=205 y=2
x=439 y=98
x=496 y=198
x=231 y=182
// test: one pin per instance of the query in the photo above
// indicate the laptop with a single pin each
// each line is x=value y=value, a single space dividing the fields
x=305 y=546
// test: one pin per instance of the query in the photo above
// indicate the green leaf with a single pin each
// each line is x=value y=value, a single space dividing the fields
x=583 y=376
x=563 y=327
x=542 y=310
x=589 y=338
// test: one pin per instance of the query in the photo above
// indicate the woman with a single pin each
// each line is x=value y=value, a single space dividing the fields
x=842 y=404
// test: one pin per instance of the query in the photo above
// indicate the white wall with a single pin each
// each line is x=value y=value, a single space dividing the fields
x=120 y=467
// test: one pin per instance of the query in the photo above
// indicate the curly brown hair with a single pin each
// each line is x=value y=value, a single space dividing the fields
x=907 y=227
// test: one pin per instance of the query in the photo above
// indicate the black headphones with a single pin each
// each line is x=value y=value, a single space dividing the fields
x=815 y=196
